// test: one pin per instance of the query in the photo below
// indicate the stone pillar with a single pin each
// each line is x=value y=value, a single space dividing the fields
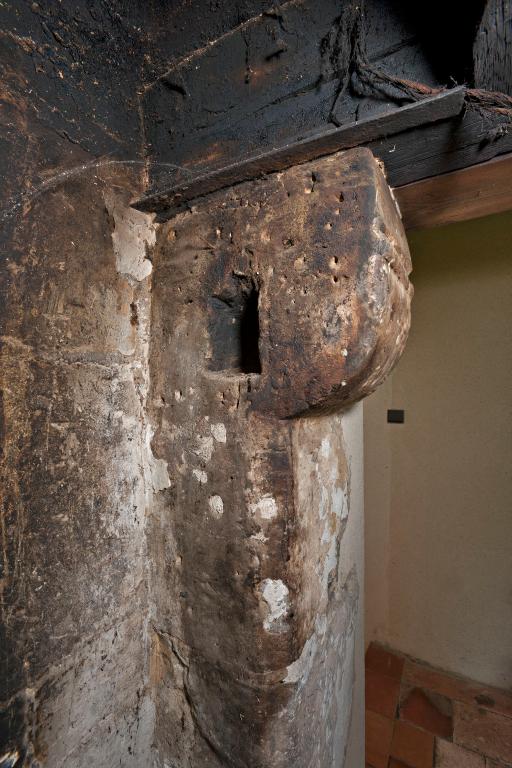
x=76 y=476
x=277 y=304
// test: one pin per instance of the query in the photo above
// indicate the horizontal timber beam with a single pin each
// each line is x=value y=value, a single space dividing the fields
x=458 y=196
x=431 y=109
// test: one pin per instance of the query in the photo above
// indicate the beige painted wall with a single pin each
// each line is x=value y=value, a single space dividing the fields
x=438 y=489
x=352 y=556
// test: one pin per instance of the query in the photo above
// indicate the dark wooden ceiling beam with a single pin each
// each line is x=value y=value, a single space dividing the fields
x=492 y=49
x=432 y=109
x=267 y=95
x=473 y=137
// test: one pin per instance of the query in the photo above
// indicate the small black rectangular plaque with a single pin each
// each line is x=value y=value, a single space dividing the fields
x=396 y=417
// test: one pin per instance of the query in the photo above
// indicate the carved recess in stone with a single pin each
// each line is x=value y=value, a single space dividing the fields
x=278 y=298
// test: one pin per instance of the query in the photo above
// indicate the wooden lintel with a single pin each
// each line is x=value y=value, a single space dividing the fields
x=442 y=106
x=466 y=194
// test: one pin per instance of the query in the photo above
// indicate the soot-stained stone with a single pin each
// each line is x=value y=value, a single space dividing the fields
x=255 y=583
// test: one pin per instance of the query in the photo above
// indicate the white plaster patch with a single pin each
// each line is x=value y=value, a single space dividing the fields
x=200 y=475
x=325 y=448
x=299 y=669
x=321 y=624
x=260 y=536
x=266 y=507
x=340 y=503
x=216 y=506
x=219 y=432
x=275 y=593
x=158 y=472
x=134 y=232
x=204 y=448
x=128 y=420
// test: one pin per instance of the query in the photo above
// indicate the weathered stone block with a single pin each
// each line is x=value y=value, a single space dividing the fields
x=275 y=303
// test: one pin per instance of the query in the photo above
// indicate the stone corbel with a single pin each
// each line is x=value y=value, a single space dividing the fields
x=274 y=301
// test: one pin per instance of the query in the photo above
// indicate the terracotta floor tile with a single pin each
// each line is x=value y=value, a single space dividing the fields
x=412 y=745
x=417 y=675
x=379 y=732
x=381 y=692
x=379 y=659
x=483 y=731
x=448 y=755
x=434 y=707
x=429 y=711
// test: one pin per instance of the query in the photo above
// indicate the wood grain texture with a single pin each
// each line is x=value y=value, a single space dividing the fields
x=284 y=76
x=448 y=145
x=277 y=78
x=481 y=190
x=419 y=144
x=492 y=50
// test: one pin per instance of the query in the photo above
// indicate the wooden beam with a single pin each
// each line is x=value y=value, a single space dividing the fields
x=492 y=50
x=471 y=138
x=440 y=107
x=466 y=194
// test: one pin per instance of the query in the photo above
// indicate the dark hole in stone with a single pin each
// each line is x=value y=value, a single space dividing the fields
x=250 y=333
x=235 y=327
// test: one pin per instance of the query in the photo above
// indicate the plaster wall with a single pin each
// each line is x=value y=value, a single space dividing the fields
x=352 y=556
x=438 y=487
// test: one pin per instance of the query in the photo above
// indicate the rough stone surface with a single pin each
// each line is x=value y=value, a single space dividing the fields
x=85 y=453
x=273 y=303
x=74 y=461
x=76 y=474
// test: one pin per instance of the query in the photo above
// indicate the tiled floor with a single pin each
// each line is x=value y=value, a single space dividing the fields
x=419 y=717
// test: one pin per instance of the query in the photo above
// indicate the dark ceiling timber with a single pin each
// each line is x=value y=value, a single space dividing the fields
x=492 y=50
x=431 y=109
x=308 y=78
